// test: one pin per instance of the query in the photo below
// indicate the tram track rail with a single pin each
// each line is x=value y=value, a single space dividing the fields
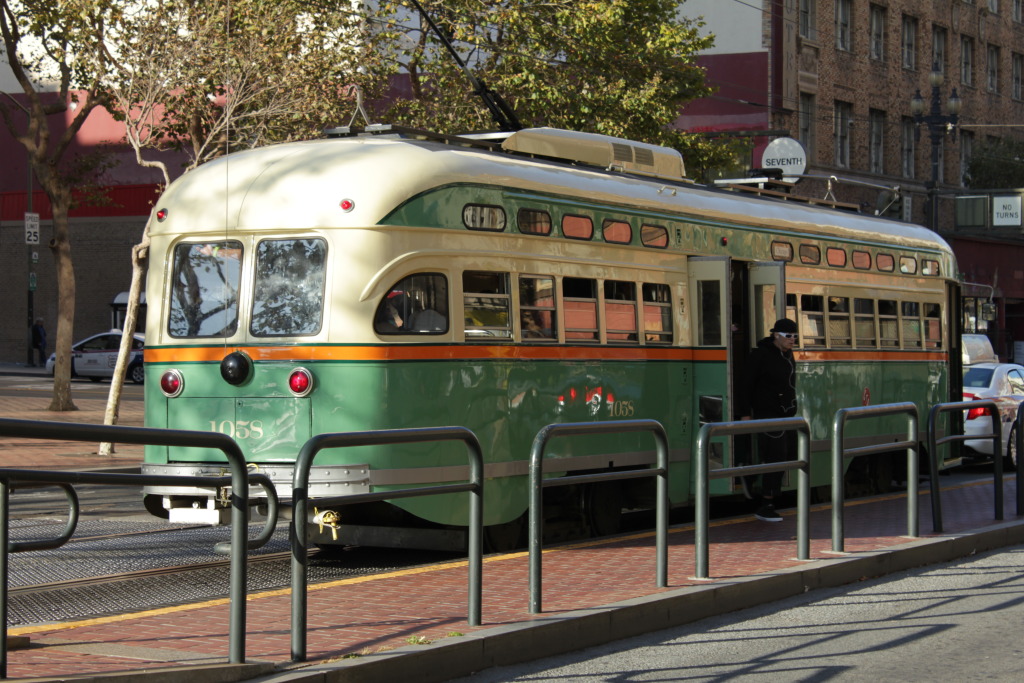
x=53 y=586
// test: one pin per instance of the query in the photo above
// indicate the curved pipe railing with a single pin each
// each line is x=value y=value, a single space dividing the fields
x=537 y=482
x=933 y=450
x=703 y=475
x=65 y=431
x=300 y=500
x=841 y=454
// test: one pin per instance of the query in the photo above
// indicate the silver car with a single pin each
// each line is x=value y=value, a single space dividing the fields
x=1004 y=384
x=94 y=357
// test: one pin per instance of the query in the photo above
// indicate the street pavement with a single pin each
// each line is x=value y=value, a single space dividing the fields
x=411 y=625
x=52 y=454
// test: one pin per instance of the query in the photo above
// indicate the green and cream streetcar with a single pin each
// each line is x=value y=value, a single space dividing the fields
x=401 y=279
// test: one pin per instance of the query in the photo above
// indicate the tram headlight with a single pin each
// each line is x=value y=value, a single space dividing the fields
x=300 y=382
x=172 y=383
x=236 y=368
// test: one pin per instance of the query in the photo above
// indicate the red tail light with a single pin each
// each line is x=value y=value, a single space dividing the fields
x=172 y=383
x=980 y=411
x=300 y=382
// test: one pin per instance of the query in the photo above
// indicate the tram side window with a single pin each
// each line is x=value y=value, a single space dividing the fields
x=911 y=315
x=864 y=323
x=537 y=309
x=619 y=232
x=577 y=227
x=839 y=321
x=204 y=289
x=487 y=305
x=812 y=314
x=579 y=296
x=932 y=326
x=888 y=323
x=534 y=221
x=483 y=217
x=655 y=236
x=417 y=304
x=657 y=313
x=288 y=288
x=620 y=311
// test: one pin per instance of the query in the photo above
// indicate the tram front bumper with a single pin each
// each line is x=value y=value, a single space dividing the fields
x=207 y=505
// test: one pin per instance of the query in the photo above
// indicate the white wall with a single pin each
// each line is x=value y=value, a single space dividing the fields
x=736 y=24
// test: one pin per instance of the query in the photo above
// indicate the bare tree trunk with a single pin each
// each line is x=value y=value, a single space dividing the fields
x=60 y=245
x=139 y=253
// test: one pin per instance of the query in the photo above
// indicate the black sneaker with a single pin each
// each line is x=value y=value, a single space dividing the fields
x=767 y=513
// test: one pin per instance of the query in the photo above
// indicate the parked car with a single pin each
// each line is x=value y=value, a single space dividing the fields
x=94 y=357
x=1004 y=384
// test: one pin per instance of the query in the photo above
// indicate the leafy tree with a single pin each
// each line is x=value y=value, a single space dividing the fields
x=617 y=67
x=202 y=78
x=997 y=164
x=53 y=50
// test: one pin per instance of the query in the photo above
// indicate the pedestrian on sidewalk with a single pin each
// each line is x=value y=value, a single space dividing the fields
x=39 y=342
x=768 y=390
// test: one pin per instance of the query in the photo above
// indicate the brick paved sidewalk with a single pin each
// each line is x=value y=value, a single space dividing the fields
x=367 y=621
x=48 y=454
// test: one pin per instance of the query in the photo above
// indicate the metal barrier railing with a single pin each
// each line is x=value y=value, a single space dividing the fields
x=238 y=480
x=300 y=500
x=537 y=482
x=933 y=451
x=1018 y=442
x=703 y=475
x=841 y=454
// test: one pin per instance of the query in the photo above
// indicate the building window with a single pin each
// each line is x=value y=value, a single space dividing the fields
x=809 y=19
x=877 y=50
x=967 y=60
x=806 y=123
x=843 y=120
x=907 y=140
x=843 y=40
x=939 y=49
x=1018 y=76
x=993 y=6
x=1018 y=10
x=909 y=42
x=992 y=69
x=876 y=141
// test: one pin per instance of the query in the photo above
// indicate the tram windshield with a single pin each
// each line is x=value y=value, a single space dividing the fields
x=204 y=291
x=288 y=297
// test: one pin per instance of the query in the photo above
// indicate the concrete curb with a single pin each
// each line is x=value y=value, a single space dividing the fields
x=217 y=673
x=566 y=632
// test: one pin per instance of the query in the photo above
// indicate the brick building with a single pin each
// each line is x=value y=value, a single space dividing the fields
x=840 y=76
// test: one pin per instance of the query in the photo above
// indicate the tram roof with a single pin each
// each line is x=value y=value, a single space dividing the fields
x=301 y=186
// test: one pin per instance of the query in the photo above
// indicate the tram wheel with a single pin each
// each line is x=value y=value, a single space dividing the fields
x=603 y=507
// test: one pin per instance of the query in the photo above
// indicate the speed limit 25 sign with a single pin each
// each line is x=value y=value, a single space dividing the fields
x=31 y=228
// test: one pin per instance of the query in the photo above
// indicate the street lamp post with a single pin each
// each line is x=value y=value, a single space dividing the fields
x=939 y=125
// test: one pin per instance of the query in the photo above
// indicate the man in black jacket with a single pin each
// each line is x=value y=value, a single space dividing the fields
x=769 y=391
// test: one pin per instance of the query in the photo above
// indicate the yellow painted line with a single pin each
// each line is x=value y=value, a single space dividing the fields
x=99 y=621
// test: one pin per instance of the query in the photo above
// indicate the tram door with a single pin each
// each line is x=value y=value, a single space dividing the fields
x=711 y=329
x=766 y=297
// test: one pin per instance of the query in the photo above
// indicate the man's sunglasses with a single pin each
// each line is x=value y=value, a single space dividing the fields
x=787 y=335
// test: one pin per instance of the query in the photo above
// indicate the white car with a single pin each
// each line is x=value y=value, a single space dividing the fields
x=1004 y=384
x=94 y=357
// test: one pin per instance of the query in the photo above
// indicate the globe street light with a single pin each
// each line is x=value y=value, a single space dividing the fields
x=939 y=125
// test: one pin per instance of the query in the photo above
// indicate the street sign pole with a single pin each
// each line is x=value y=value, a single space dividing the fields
x=31 y=242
